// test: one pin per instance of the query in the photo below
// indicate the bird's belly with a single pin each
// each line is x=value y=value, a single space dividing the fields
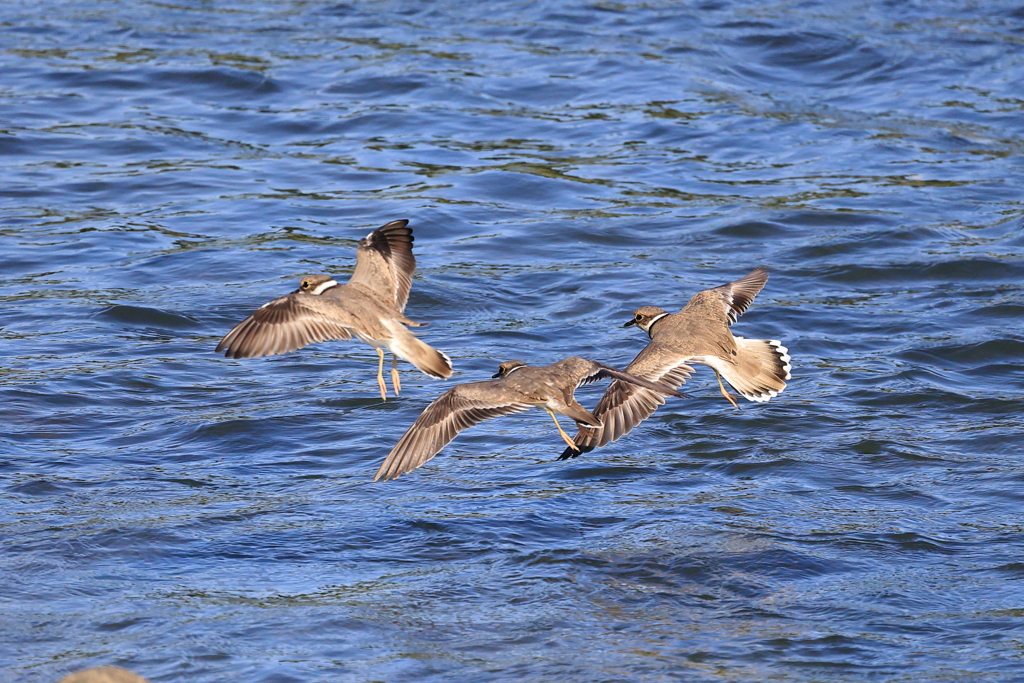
x=550 y=404
x=716 y=362
x=372 y=340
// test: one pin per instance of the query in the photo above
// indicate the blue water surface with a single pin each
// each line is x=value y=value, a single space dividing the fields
x=168 y=166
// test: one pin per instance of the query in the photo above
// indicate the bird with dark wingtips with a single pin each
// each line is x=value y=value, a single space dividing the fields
x=697 y=335
x=516 y=387
x=370 y=307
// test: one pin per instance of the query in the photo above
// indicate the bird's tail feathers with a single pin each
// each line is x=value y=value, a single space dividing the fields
x=762 y=366
x=426 y=358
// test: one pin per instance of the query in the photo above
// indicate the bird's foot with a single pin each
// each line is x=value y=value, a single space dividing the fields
x=572 y=452
x=728 y=397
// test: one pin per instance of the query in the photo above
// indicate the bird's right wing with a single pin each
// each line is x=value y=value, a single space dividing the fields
x=602 y=371
x=624 y=404
x=457 y=409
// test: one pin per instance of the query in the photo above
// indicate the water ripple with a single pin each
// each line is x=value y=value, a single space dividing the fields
x=169 y=167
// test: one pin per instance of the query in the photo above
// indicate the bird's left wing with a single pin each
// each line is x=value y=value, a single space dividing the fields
x=385 y=263
x=729 y=301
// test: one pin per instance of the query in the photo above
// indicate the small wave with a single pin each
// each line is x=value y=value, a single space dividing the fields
x=141 y=316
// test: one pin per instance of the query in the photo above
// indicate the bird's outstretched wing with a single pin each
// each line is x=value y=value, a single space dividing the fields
x=596 y=371
x=627 y=402
x=457 y=409
x=286 y=324
x=385 y=263
x=728 y=302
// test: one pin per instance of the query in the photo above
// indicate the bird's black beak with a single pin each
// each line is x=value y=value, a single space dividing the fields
x=630 y=323
x=496 y=375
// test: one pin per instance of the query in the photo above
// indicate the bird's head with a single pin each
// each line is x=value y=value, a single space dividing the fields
x=316 y=284
x=508 y=366
x=645 y=316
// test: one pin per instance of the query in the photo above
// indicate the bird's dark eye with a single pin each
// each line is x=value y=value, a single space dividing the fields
x=305 y=285
x=639 y=317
